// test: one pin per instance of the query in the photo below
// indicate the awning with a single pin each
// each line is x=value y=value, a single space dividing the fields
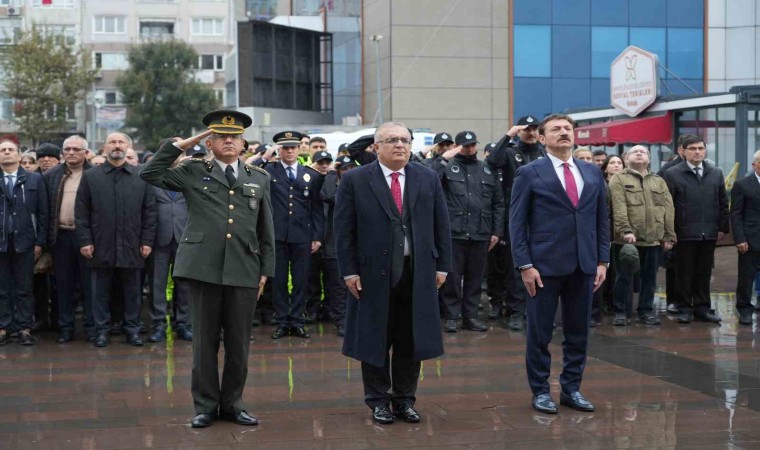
x=649 y=130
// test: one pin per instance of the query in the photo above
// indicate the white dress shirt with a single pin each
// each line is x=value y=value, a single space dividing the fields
x=14 y=178
x=701 y=168
x=234 y=165
x=402 y=181
x=293 y=166
x=559 y=168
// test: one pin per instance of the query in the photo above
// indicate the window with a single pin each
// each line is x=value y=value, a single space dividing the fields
x=532 y=44
x=53 y=3
x=532 y=12
x=211 y=62
x=109 y=24
x=606 y=45
x=110 y=96
x=685 y=52
x=6 y=107
x=66 y=32
x=219 y=93
x=261 y=9
x=8 y=32
x=111 y=60
x=651 y=40
x=156 y=29
x=208 y=27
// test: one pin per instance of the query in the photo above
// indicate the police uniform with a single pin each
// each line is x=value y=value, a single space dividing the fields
x=317 y=275
x=300 y=220
x=227 y=245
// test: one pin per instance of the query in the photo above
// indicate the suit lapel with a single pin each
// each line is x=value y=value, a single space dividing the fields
x=379 y=187
x=588 y=181
x=545 y=170
x=243 y=175
x=411 y=187
x=217 y=174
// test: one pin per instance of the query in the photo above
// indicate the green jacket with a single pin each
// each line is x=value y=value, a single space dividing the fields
x=229 y=237
x=641 y=205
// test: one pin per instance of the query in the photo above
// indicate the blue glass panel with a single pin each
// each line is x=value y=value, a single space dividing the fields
x=648 y=13
x=571 y=52
x=686 y=13
x=532 y=96
x=576 y=12
x=609 y=12
x=600 y=92
x=606 y=44
x=532 y=45
x=678 y=88
x=685 y=52
x=651 y=40
x=570 y=94
x=532 y=12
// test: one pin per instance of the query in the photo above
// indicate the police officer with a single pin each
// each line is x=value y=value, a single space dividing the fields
x=300 y=219
x=476 y=210
x=226 y=254
x=317 y=275
x=441 y=143
x=517 y=148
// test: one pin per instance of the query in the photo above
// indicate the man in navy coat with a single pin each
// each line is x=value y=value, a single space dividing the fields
x=560 y=242
x=394 y=250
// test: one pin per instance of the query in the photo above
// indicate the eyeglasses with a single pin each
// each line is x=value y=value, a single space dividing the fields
x=395 y=140
x=73 y=149
x=224 y=137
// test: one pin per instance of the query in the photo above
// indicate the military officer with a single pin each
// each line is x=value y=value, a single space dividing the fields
x=300 y=218
x=226 y=254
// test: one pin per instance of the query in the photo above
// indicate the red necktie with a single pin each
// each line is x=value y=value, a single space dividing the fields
x=396 y=191
x=570 y=186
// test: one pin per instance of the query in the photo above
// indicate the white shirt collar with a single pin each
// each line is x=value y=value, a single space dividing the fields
x=556 y=162
x=387 y=172
x=234 y=165
x=692 y=166
x=294 y=166
x=14 y=174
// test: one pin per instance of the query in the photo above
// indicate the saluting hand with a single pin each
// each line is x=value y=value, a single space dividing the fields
x=184 y=144
x=448 y=154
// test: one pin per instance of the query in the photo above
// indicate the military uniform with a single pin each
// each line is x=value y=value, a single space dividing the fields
x=227 y=245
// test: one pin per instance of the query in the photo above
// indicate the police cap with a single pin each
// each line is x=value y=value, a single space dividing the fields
x=288 y=138
x=321 y=156
x=466 y=138
x=529 y=121
x=442 y=137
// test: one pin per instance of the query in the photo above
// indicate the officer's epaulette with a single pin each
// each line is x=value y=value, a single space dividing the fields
x=192 y=161
x=312 y=170
x=249 y=167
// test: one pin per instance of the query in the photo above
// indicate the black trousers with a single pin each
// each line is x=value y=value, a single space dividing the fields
x=16 y=297
x=497 y=273
x=463 y=286
x=131 y=288
x=162 y=258
x=748 y=267
x=400 y=372
x=693 y=265
x=214 y=307
x=70 y=267
x=316 y=283
x=575 y=292
x=335 y=292
x=290 y=306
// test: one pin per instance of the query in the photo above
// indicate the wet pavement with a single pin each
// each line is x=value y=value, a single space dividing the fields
x=673 y=386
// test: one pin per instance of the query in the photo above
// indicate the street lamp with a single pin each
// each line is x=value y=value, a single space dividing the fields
x=376 y=38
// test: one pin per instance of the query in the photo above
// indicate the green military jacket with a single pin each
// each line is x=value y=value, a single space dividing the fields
x=229 y=237
x=641 y=205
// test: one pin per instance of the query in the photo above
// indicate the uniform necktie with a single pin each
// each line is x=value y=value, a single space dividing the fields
x=570 y=186
x=697 y=170
x=396 y=191
x=291 y=175
x=229 y=174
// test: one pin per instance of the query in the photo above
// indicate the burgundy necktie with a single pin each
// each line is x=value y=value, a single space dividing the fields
x=570 y=186
x=396 y=191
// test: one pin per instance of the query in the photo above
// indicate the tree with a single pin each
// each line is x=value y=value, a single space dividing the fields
x=161 y=92
x=46 y=76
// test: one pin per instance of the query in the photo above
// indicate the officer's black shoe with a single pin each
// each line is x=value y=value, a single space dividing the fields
x=516 y=322
x=202 y=420
x=543 y=403
x=451 y=326
x=157 y=336
x=25 y=337
x=745 y=318
x=65 y=336
x=184 y=334
x=134 y=340
x=707 y=316
x=673 y=309
x=240 y=418
x=300 y=332
x=473 y=325
x=382 y=414
x=576 y=401
x=280 y=332
x=496 y=312
x=101 y=340
x=407 y=413
x=685 y=318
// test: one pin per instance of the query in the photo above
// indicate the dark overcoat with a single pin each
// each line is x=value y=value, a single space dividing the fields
x=363 y=235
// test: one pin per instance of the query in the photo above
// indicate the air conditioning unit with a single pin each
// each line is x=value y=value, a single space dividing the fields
x=13 y=11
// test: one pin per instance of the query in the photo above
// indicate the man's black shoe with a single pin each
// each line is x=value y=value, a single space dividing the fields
x=407 y=413
x=202 y=420
x=382 y=414
x=648 y=319
x=673 y=309
x=25 y=337
x=620 y=320
x=241 y=418
x=101 y=340
x=516 y=322
x=65 y=336
x=157 y=336
x=299 y=332
x=496 y=312
x=576 y=401
x=184 y=334
x=685 y=318
x=707 y=316
x=280 y=332
x=543 y=403
x=134 y=340
x=473 y=324
x=745 y=318
x=451 y=326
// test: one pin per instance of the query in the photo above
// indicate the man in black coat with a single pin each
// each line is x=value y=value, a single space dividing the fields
x=116 y=229
x=394 y=251
x=701 y=219
x=745 y=223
